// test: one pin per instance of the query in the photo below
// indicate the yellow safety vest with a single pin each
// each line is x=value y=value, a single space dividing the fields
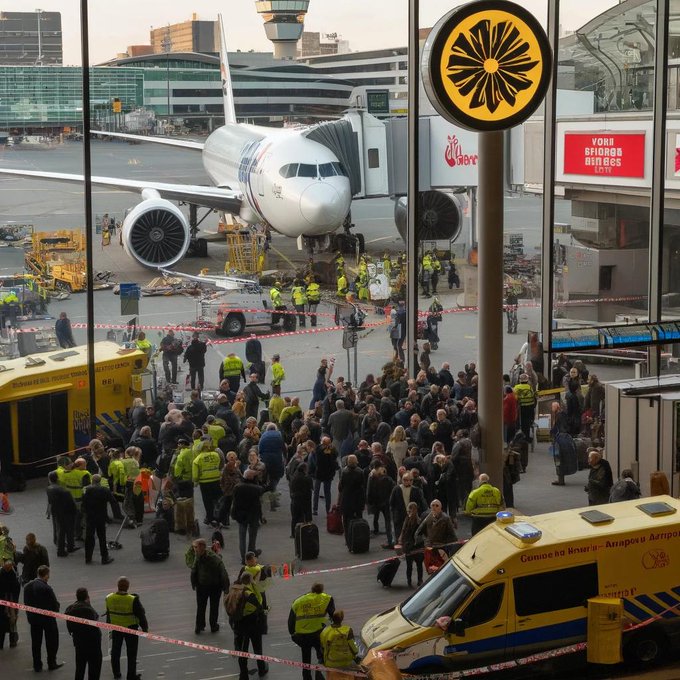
x=250 y=608
x=196 y=448
x=131 y=467
x=524 y=393
x=143 y=345
x=427 y=263
x=299 y=295
x=183 y=465
x=119 y=609
x=313 y=293
x=60 y=475
x=339 y=649
x=206 y=467
x=310 y=612
x=484 y=501
x=275 y=295
x=342 y=285
x=232 y=366
x=278 y=373
x=117 y=472
x=216 y=433
x=73 y=481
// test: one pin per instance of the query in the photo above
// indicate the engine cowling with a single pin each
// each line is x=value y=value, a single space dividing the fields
x=440 y=216
x=156 y=233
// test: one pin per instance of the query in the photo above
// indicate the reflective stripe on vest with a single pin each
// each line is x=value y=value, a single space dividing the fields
x=278 y=373
x=299 y=296
x=72 y=480
x=487 y=501
x=524 y=394
x=250 y=608
x=119 y=608
x=208 y=464
x=275 y=295
x=131 y=467
x=182 y=469
x=313 y=293
x=310 y=612
x=232 y=366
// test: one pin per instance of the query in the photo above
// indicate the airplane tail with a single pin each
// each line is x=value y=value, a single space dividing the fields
x=227 y=87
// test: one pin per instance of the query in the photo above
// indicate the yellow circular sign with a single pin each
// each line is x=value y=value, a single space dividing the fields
x=486 y=65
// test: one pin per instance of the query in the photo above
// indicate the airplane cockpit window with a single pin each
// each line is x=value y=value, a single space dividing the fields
x=307 y=170
x=289 y=170
x=327 y=170
x=339 y=169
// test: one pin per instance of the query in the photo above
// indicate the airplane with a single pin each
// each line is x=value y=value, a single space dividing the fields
x=280 y=178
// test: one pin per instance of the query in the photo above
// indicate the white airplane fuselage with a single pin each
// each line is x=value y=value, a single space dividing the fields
x=291 y=183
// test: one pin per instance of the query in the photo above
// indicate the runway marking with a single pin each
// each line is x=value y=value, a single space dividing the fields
x=467 y=337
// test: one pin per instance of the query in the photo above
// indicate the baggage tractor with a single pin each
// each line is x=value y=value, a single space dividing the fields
x=306 y=541
x=156 y=541
x=334 y=521
x=184 y=516
x=388 y=570
x=359 y=537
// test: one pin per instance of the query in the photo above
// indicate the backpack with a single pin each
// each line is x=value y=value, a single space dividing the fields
x=235 y=601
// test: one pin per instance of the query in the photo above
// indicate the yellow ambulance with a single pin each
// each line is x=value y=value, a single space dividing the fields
x=522 y=586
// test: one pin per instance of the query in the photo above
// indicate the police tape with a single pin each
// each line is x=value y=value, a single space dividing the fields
x=174 y=641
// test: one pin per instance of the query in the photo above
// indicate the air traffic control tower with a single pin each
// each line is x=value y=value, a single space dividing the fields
x=283 y=24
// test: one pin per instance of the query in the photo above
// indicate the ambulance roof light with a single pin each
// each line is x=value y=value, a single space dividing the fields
x=525 y=532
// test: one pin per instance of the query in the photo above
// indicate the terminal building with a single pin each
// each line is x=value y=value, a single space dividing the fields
x=30 y=38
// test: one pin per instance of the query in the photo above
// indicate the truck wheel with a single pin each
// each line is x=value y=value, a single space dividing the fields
x=289 y=322
x=362 y=242
x=646 y=648
x=233 y=325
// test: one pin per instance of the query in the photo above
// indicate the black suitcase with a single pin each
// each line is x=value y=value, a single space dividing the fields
x=306 y=541
x=582 y=444
x=156 y=541
x=388 y=571
x=253 y=350
x=359 y=536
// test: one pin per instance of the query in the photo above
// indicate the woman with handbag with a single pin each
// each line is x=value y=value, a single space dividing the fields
x=412 y=545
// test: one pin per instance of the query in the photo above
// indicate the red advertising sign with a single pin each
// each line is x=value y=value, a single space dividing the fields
x=613 y=154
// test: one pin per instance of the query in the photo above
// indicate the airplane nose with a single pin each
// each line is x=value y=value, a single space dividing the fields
x=323 y=206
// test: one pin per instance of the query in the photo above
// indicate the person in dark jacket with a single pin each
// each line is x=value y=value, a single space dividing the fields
x=96 y=498
x=625 y=489
x=574 y=403
x=272 y=451
x=38 y=593
x=600 y=479
x=378 y=493
x=301 y=488
x=323 y=471
x=197 y=408
x=62 y=329
x=86 y=639
x=461 y=457
x=10 y=587
x=253 y=395
x=225 y=413
x=401 y=496
x=352 y=492
x=247 y=511
x=209 y=579
x=411 y=545
x=32 y=556
x=195 y=355
x=63 y=510
x=249 y=629
x=147 y=446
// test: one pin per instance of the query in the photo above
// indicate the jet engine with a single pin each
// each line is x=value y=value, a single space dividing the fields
x=156 y=233
x=440 y=216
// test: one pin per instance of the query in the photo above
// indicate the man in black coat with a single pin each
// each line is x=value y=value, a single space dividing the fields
x=86 y=639
x=95 y=500
x=445 y=375
x=378 y=492
x=246 y=510
x=197 y=408
x=63 y=511
x=253 y=395
x=147 y=446
x=352 y=493
x=195 y=355
x=39 y=594
x=401 y=496
x=224 y=412
x=301 y=487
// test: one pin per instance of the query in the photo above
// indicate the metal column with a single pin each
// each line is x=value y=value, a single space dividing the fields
x=413 y=187
x=490 y=320
x=547 y=264
x=89 y=231
x=656 y=210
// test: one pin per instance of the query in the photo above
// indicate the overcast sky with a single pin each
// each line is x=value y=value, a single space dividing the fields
x=115 y=24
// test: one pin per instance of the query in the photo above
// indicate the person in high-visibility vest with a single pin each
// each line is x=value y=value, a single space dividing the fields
x=182 y=468
x=278 y=374
x=526 y=399
x=426 y=274
x=342 y=284
x=483 y=503
x=299 y=297
x=142 y=343
x=277 y=301
x=313 y=297
x=248 y=629
x=125 y=609
x=117 y=475
x=75 y=480
x=436 y=271
x=205 y=471
x=387 y=265
x=338 y=647
x=362 y=285
x=339 y=261
x=306 y=620
x=232 y=369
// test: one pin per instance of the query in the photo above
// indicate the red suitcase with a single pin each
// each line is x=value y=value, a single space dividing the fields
x=334 y=521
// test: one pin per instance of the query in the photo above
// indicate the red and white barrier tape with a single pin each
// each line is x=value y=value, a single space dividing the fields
x=174 y=641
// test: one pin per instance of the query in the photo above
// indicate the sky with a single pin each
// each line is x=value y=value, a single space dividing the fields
x=116 y=24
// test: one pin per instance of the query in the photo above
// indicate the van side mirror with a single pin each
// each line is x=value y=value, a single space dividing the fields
x=457 y=627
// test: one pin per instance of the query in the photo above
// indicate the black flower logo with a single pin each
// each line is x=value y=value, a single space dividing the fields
x=491 y=63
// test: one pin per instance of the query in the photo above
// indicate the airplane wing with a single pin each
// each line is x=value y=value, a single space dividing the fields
x=211 y=197
x=181 y=143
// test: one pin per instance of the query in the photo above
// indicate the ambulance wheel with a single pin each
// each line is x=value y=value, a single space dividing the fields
x=646 y=647
x=233 y=326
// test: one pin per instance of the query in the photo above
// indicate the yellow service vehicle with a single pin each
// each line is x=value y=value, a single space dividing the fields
x=523 y=585
x=44 y=401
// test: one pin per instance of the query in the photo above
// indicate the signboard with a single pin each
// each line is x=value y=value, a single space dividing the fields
x=378 y=102
x=486 y=65
x=117 y=105
x=613 y=154
x=129 y=298
x=453 y=155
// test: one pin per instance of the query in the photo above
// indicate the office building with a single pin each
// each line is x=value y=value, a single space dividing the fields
x=188 y=36
x=30 y=38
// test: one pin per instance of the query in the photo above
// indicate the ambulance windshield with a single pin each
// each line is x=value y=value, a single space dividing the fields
x=442 y=595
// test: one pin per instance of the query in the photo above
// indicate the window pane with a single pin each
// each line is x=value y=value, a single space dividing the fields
x=326 y=170
x=373 y=158
x=306 y=170
x=485 y=606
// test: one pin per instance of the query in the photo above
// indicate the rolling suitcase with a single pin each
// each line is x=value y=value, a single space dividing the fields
x=582 y=444
x=388 y=570
x=253 y=350
x=359 y=536
x=306 y=541
x=334 y=521
x=156 y=541
x=184 y=516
